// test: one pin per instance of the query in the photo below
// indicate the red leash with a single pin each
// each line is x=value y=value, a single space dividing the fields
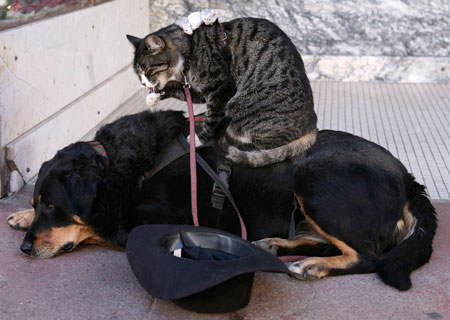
x=193 y=162
x=192 y=158
x=193 y=171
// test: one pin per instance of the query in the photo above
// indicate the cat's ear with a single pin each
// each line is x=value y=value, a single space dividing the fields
x=135 y=41
x=154 y=44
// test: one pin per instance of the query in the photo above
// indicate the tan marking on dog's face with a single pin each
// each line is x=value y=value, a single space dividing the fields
x=102 y=243
x=39 y=197
x=405 y=226
x=50 y=242
x=32 y=202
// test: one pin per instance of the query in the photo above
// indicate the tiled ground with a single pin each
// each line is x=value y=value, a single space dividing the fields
x=410 y=120
x=96 y=283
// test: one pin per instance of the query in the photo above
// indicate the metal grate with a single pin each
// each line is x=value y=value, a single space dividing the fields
x=411 y=120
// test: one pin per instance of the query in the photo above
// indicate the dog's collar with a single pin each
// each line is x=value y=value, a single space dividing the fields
x=100 y=150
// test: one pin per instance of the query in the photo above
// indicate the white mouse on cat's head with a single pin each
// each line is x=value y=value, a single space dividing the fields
x=184 y=24
x=208 y=16
x=195 y=20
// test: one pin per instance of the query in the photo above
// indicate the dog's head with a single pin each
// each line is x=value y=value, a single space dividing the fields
x=63 y=198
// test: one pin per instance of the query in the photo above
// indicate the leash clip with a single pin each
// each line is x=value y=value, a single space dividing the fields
x=186 y=83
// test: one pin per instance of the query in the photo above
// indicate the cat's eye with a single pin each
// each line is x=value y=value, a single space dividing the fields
x=155 y=68
x=156 y=65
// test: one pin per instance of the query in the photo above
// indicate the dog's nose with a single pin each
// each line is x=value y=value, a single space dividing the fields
x=26 y=247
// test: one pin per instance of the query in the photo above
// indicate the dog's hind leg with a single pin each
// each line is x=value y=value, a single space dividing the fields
x=21 y=220
x=274 y=244
x=348 y=262
x=305 y=236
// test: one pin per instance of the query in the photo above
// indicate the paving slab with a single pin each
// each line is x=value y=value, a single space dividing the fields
x=97 y=283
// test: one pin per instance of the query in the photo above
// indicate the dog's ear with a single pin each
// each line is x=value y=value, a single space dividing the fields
x=81 y=185
x=135 y=41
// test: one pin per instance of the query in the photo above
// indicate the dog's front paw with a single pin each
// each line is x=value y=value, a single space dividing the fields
x=267 y=245
x=309 y=269
x=198 y=142
x=21 y=220
x=152 y=99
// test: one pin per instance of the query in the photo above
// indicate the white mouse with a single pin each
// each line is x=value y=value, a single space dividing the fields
x=195 y=20
x=208 y=16
x=184 y=24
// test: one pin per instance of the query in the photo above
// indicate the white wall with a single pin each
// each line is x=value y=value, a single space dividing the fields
x=60 y=77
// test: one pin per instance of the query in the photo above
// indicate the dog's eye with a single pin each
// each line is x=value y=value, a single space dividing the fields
x=49 y=206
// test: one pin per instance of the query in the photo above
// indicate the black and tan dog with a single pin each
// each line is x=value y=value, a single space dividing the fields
x=360 y=210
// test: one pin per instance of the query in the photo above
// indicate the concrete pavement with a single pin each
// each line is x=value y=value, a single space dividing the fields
x=97 y=283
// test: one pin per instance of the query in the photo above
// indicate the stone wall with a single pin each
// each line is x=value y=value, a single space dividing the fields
x=349 y=40
x=59 y=78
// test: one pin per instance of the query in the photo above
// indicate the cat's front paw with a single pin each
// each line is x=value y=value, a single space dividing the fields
x=152 y=99
x=198 y=142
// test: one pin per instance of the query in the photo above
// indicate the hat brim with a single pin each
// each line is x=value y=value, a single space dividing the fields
x=165 y=276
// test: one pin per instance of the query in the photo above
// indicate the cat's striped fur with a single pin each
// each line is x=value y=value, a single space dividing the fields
x=257 y=81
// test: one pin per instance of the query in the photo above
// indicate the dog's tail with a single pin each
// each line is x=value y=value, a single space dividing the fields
x=227 y=146
x=414 y=234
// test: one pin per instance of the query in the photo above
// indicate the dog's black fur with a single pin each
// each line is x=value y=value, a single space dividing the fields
x=351 y=190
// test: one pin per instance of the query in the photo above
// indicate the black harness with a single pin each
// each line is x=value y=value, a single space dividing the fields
x=179 y=147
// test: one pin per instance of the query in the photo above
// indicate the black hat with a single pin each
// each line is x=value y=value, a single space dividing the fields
x=213 y=274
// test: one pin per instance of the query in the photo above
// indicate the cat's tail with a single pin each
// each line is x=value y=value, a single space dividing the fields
x=259 y=158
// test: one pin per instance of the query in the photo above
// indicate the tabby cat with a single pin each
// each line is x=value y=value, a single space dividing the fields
x=254 y=82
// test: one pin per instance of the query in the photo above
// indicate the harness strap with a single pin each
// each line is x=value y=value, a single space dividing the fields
x=218 y=196
x=172 y=152
x=219 y=182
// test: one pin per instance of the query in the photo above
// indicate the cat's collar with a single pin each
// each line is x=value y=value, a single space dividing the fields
x=224 y=35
